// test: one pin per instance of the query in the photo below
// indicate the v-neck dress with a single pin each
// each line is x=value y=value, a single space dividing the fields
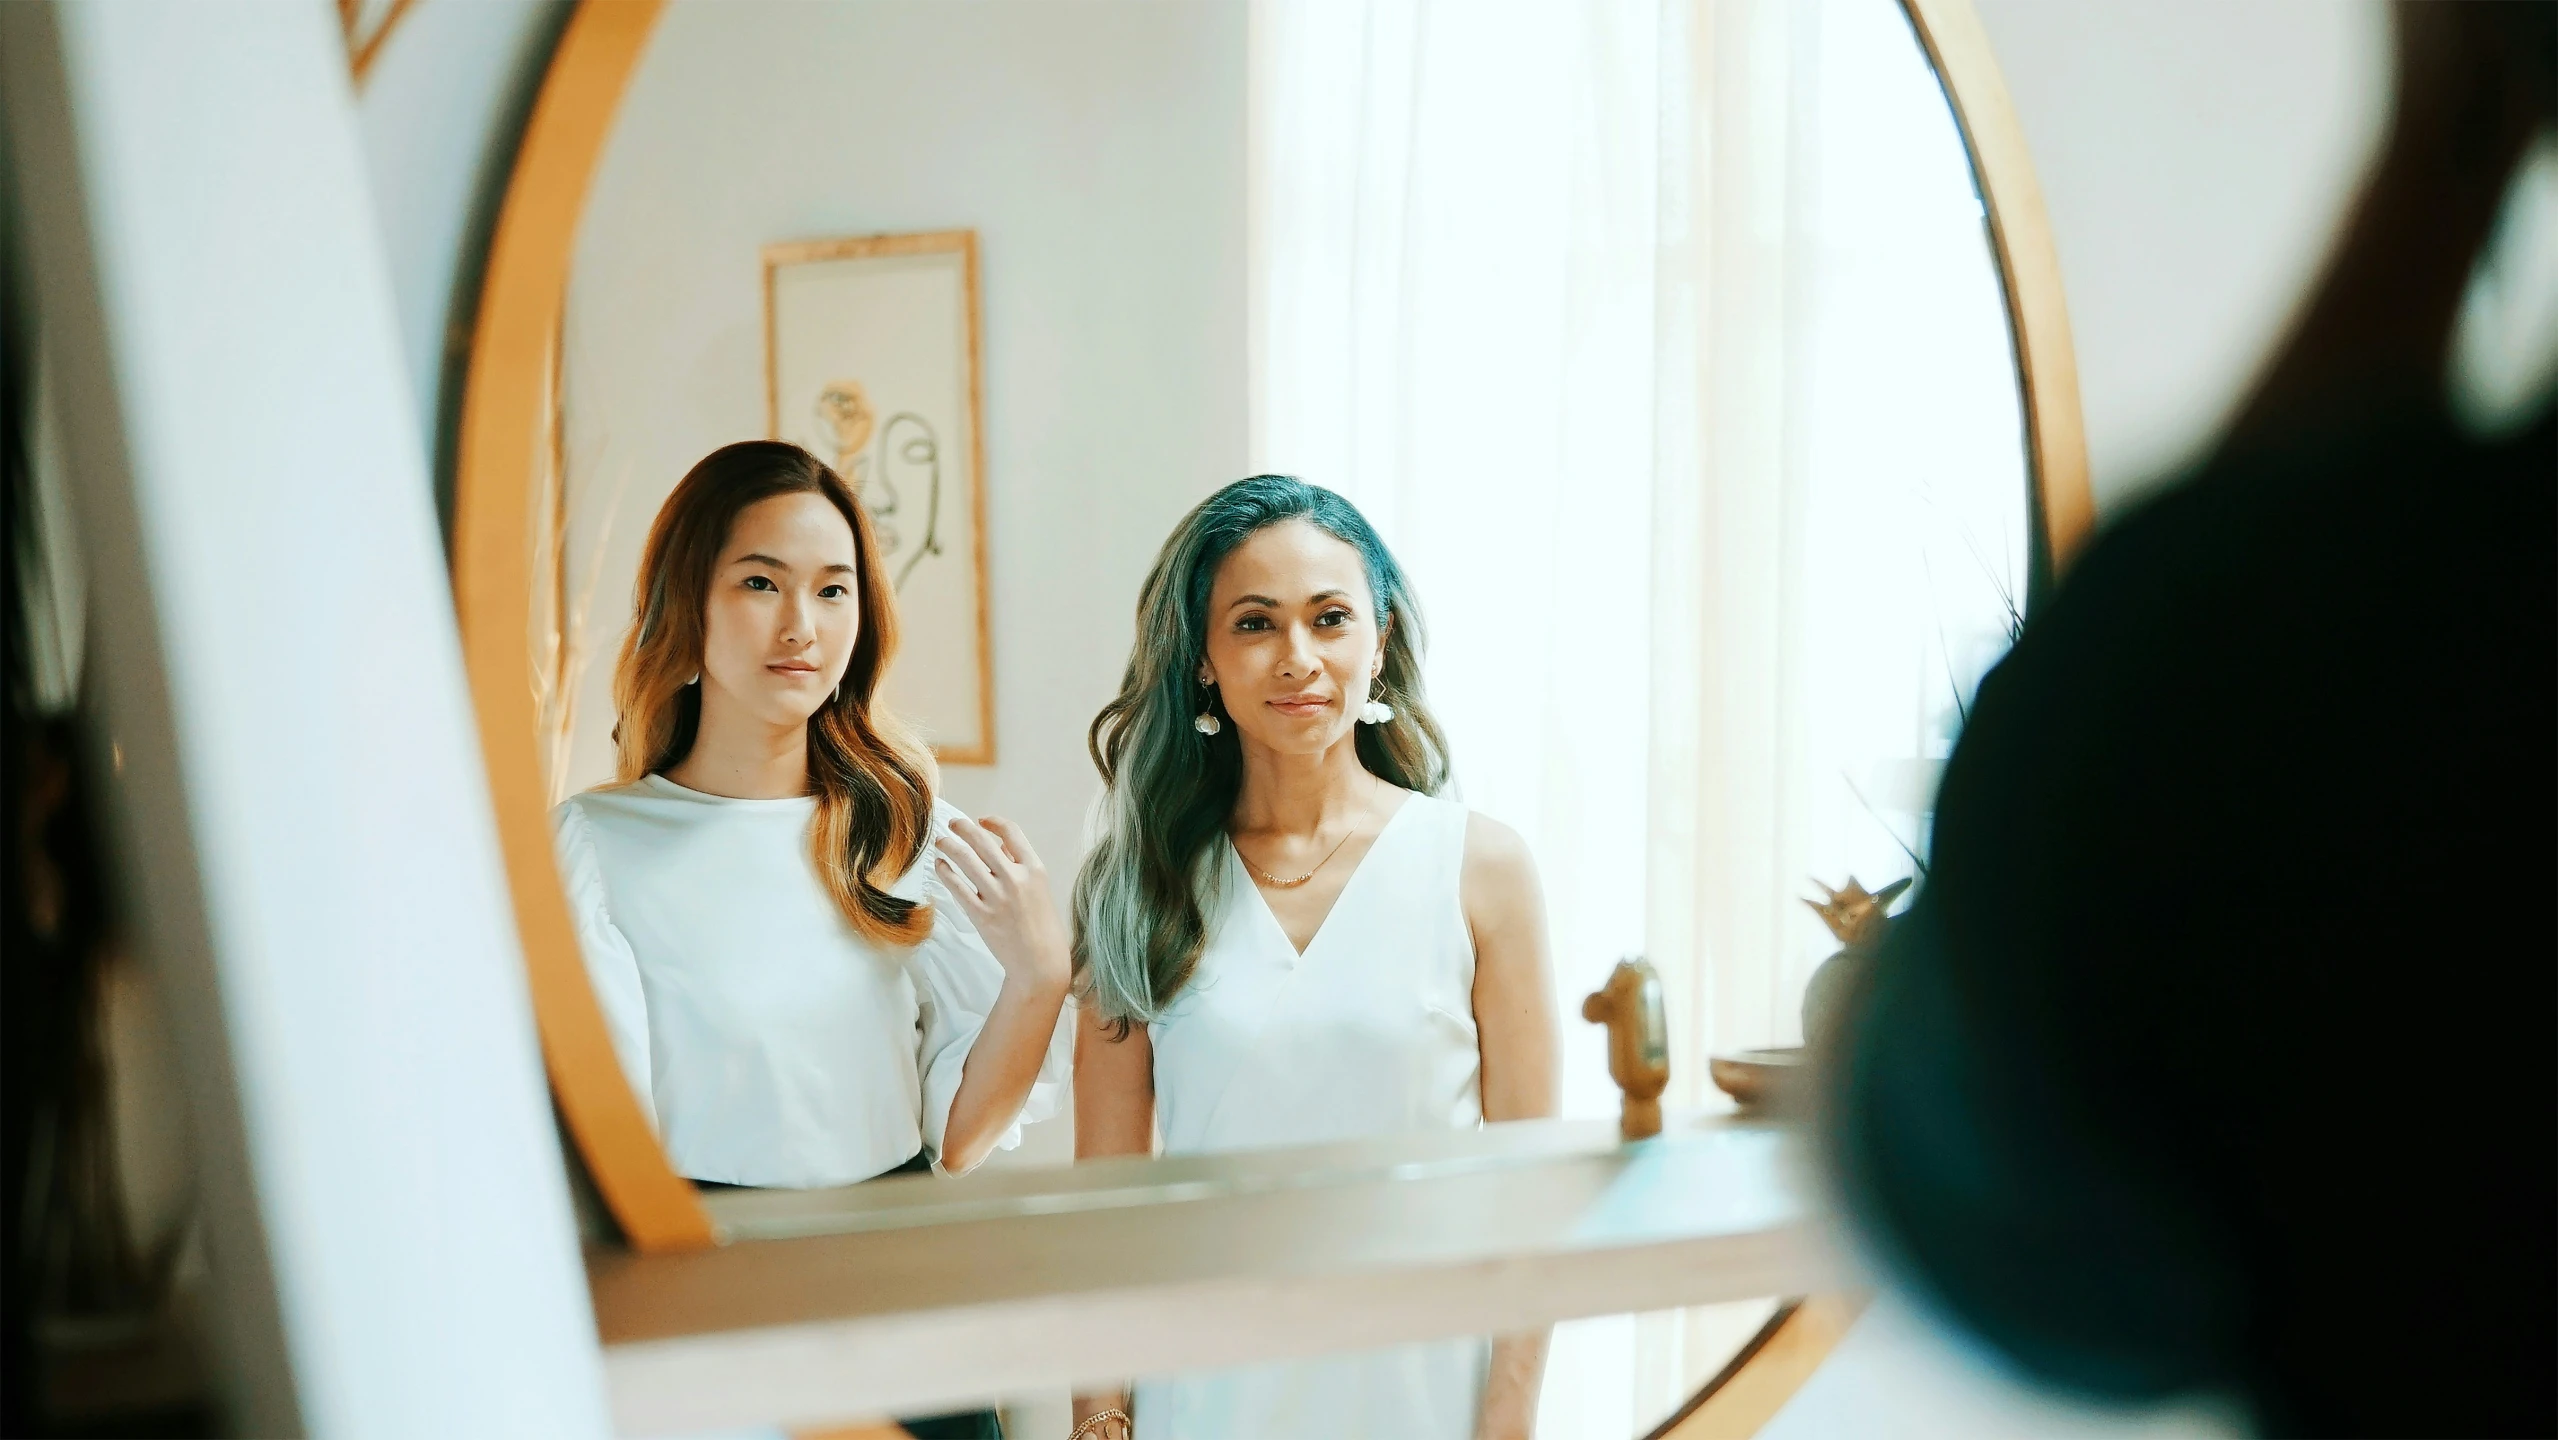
x=1369 y=1032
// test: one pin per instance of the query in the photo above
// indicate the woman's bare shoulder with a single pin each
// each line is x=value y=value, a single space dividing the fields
x=1496 y=852
x=1497 y=884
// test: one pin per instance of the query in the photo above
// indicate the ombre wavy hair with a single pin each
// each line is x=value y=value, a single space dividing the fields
x=1142 y=898
x=872 y=782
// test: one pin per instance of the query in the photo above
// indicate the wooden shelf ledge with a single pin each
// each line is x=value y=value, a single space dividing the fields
x=908 y=1296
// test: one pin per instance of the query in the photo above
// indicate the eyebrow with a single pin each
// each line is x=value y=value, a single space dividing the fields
x=1315 y=599
x=759 y=558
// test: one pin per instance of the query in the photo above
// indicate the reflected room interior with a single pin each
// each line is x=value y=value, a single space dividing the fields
x=1706 y=367
x=1682 y=383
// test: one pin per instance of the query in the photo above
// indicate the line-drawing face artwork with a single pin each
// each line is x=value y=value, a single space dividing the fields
x=871 y=363
x=847 y=426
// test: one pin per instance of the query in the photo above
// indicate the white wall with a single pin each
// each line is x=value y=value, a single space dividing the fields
x=2196 y=157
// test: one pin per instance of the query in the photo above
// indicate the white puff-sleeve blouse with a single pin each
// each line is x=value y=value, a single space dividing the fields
x=771 y=1045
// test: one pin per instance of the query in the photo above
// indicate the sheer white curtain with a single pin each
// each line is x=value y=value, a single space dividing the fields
x=1661 y=340
x=1454 y=326
x=1841 y=523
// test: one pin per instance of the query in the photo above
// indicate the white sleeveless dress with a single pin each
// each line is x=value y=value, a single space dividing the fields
x=1370 y=1032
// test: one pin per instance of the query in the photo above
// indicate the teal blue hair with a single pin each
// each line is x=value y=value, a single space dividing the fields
x=1141 y=900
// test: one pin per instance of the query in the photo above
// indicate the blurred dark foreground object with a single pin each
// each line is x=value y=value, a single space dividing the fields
x=2220 y=1051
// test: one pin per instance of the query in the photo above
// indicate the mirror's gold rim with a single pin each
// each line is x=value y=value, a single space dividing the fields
x=505 y=434
x=1747 y=1393
x=2029 y=268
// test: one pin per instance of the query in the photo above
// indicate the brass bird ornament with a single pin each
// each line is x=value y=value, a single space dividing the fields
x=1860 y=921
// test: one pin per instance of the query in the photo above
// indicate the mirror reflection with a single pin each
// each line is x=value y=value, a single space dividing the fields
x=956 y=761
x=1681 y=1355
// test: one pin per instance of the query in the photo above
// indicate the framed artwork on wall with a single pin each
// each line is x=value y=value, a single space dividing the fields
x=871 y=361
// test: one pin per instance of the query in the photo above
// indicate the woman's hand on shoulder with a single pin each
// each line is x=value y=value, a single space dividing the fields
x=992 y=873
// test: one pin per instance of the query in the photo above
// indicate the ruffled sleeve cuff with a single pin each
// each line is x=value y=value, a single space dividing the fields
x=611 y=966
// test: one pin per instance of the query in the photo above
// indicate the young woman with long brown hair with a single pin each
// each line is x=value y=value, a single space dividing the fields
x=814 y=971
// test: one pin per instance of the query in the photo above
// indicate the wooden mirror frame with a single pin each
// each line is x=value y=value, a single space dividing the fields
x=507 y=446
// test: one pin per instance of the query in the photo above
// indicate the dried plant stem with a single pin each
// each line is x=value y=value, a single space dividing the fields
x=562 y=646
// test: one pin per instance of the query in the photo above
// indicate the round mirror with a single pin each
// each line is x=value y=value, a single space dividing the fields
x=1702 y=364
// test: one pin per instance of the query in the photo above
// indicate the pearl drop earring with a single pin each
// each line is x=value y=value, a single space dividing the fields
x=1206 y=721
x=1376 y=711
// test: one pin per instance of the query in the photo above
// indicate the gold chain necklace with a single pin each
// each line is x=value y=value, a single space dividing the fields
x=1275 y=883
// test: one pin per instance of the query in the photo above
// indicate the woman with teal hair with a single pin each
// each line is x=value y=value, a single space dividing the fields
x=1285 y=936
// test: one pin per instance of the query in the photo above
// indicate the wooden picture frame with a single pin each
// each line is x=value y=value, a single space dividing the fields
x=367 y=26
x=847 y=375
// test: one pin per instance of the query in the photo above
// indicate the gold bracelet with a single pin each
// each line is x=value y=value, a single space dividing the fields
x=1091 y=1428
